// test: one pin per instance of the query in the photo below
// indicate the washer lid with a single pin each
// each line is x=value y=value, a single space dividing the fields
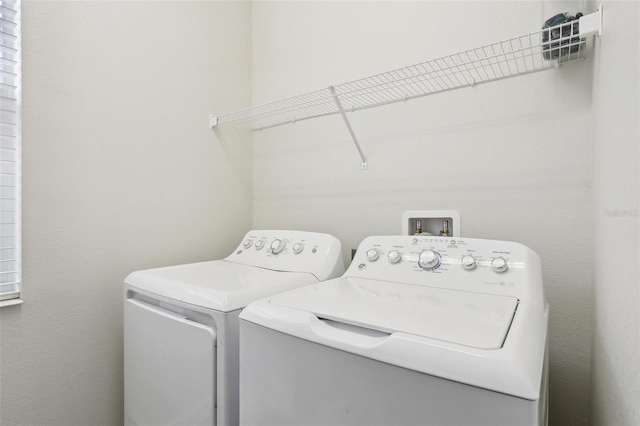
x=472 y=319
x=219 y=285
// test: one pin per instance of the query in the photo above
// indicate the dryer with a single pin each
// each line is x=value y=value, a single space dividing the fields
x=181 y=324
x=419 y=330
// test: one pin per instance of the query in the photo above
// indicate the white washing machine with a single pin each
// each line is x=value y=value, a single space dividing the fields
x=418 y=331
x=181 y=324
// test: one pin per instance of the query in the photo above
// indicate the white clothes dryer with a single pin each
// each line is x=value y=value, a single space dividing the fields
x=181 y=324
x=418 y=331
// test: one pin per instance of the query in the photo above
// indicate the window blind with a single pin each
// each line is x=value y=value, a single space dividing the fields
x=10 y=130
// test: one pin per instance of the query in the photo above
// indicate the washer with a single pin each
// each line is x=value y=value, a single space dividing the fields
x=418 y=331
x=181 y=324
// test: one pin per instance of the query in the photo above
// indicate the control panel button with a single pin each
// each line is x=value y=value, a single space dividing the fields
x=469 y=262
x=259 y=244
x=277 y=246
x=372 y=255
x=247 y=243
x=429 y=259
x=297 y=248
x=499 y=264
x=394 y=256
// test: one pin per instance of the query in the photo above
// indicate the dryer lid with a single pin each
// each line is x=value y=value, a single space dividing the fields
x=218 y=284
x=473 y=319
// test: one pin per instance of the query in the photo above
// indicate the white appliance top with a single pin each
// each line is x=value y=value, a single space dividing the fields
x=471 y=319
x=265 y=263
x=467 y=310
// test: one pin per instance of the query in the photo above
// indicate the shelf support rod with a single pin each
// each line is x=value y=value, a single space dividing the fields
x=346 y=121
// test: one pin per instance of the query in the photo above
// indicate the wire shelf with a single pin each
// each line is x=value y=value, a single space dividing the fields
x=521 y=55
x=526 y=54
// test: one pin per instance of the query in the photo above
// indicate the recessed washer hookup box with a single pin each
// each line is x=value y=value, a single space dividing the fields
x=431 y=222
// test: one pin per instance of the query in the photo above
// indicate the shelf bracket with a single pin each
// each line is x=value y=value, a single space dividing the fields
x=591 y=23
x=213 y=121
x=346 y=121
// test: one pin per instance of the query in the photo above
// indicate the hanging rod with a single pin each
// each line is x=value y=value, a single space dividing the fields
x=526 y=54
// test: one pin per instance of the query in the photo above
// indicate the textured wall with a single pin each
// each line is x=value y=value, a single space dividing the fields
x=513 y=157
x=121 y=172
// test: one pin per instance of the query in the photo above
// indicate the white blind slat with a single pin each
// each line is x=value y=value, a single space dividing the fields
x=10 y=151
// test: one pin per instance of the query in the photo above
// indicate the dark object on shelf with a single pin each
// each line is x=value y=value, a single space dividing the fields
x=564 y=28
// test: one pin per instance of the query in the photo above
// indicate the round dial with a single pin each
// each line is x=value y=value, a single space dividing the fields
x=469 y=262
x=297 y=248
x=259 y=244
x=247 y=243
x=429 y=259
x=499 y=264
x=277 y=246
x=372 y=255
x=394 y=256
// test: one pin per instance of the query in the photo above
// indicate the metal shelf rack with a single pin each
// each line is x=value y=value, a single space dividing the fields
x=526 y=54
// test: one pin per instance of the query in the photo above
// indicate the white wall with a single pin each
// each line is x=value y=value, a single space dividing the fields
x=513 y=157
x=120 y=173
x=616 y=340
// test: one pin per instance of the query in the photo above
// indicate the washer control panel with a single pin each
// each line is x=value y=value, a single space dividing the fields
x=293 y=251
x=487 y=266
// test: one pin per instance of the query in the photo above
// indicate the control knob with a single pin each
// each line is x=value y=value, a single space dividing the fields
x=429 y=259
x=259 y=244
x=499 y=264
x=247 y=243
x=297 y=248
x=469 y=262
x=394 y=256
x=277 y=246
x=372 y=255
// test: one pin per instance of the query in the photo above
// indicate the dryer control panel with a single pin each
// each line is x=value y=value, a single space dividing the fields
x=466 y=264
x=291 y=251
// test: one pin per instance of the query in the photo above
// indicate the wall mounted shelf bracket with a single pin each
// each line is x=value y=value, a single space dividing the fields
x=591 y=24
